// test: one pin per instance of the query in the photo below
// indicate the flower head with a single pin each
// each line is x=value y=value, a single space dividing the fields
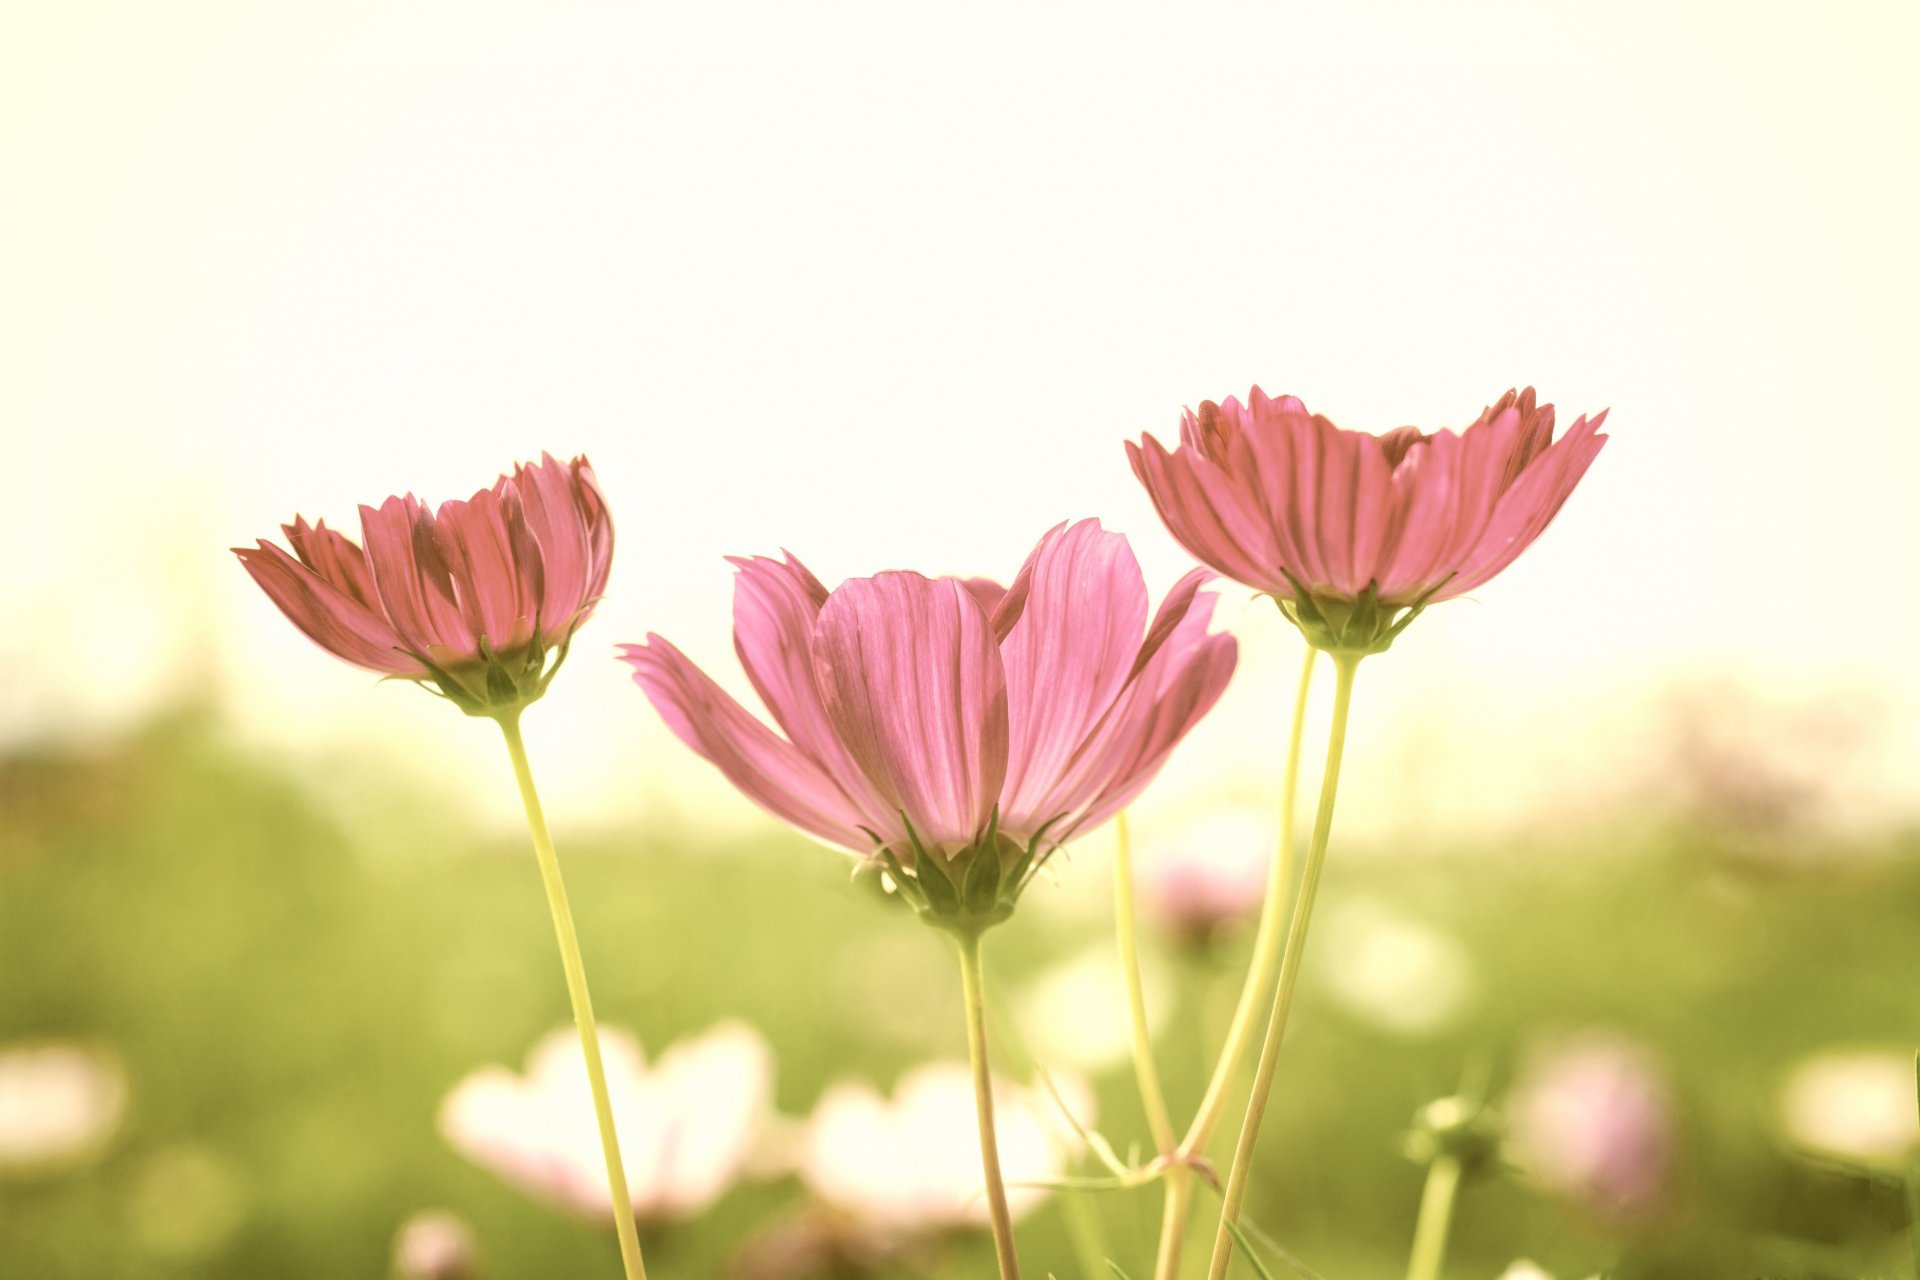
x=58 y=1102
x=954 y=730
x=1855 y=1105
x=433 y=1245
x=1592 y=1120
x=474 y=596
x=687 y=1125
x=1209 y=877
x=1355 y=533
x=910 y=1164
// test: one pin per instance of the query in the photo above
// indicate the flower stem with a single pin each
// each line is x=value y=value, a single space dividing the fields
x=1344 y=665
x=1126 y=930
x=974 y=988
x=1436 y=1216
x=577 y=992
x=1266 y=956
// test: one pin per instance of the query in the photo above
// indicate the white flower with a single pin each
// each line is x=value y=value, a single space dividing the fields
x=1524 y=1269
x=57 y=1102
x=911 y=1163
x=1077 y=1013
x=1858 y=1104
x=1392 y=969
x=687 y=1126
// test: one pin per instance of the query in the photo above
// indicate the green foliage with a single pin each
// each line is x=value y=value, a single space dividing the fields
x=293 y=985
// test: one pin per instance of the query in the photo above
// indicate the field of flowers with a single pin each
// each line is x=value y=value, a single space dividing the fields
x=285 y=996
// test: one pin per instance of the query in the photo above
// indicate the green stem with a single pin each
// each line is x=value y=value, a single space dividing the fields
x=1266 y=956
x=973 y=987
x=576 y=992
x=1344 y=665
x=1126 y=930
x=1436 y=1216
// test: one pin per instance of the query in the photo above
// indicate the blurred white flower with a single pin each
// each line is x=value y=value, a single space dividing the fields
x=433 y=1245
x=1076 y=1013
x=58 y=1102
x=1591 y=1119
x=911 y=1164
x=1525 y=1269
x=1857 y=1104
x=1211 y=874
x=1391 y=969
x=687 y=1125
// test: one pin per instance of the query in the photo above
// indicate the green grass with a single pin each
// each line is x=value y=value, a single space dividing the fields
x=292 y=1001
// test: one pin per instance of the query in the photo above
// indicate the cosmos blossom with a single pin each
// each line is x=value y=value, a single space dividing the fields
x=1331 y=521
x=472 y=595
x=909 y=1164
x=688 y=1122
x=954 y=705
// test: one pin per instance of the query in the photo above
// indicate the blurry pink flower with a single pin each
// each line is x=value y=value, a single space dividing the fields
x=473 y=596
x=1592 y=1120
x=1044 y=707
x=687 y=1125
x=911 y=1164
x=1211 y=875
x=433 y=1245
x=1346 y=528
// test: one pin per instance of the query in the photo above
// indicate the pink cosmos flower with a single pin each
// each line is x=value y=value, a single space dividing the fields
x=473 y=596
x=1346 y=528
x=960 y=707
x=1593 y=1120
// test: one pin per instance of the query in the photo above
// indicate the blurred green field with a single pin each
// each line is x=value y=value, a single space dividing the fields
x=293 y=990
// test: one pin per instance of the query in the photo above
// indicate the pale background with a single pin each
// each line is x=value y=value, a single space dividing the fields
x=888 y=284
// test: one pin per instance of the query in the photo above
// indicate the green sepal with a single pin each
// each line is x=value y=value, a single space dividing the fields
x=981 y=890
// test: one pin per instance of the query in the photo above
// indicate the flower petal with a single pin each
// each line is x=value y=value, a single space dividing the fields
x=326 y=614
x=769 y=769
x=1066 y=657
x=914 y=685
x=775 y=606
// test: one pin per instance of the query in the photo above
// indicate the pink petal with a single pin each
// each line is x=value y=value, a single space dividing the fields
x=1219 y=524
x=326 y=614
x=1177 y=686
x=411 y=579
x=1526 y=509
x=496 y=594
x=767 y=768
x=558 y=524
x=1085 y=605
x=914 y=686
x=775 y=606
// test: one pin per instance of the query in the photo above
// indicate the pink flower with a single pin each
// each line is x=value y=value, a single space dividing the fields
x=473 y=596
x=1592 y=1120
x=1346 y=529
x=957 y=706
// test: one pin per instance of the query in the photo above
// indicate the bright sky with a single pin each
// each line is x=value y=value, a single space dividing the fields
x=888 y=285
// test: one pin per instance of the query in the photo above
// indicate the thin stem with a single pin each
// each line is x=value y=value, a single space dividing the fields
x=1174 y=1213
x=1266 y=956
x=1126 y=930
x=973 y=987
x=1344 y=665
x=576 y=972
x=1436 y=1216
x=1266 y=940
